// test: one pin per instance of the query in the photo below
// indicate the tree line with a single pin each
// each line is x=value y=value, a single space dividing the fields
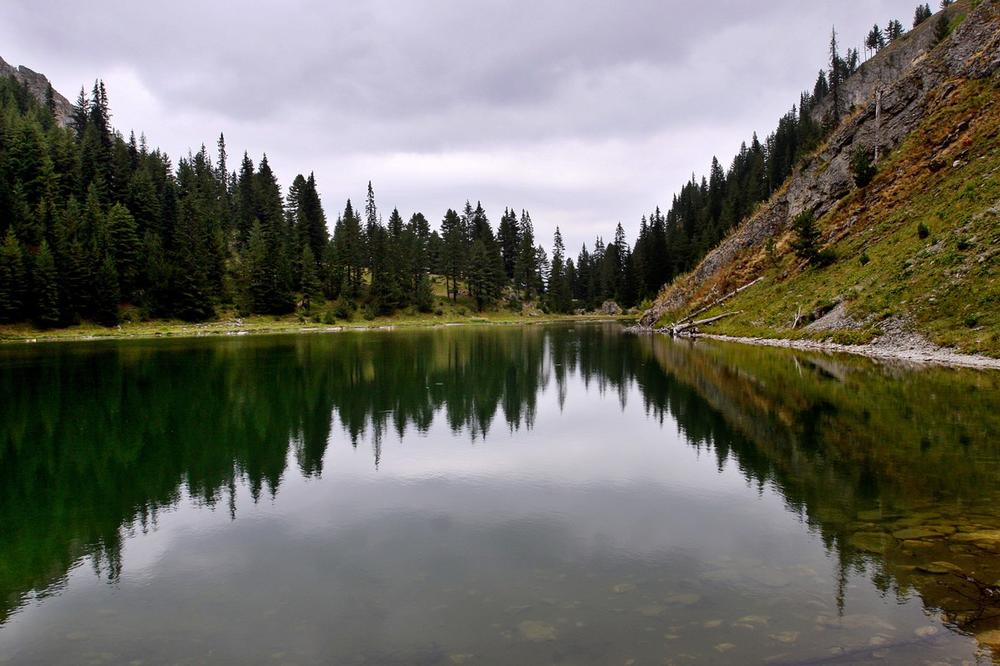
x=95 y=226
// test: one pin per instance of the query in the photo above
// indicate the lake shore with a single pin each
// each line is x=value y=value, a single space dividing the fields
x=910 y=349
x=263 y=325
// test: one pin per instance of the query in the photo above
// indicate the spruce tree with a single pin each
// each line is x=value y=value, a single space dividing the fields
x=12 y=279
x=560 y=295
x=508 y=236
x=806 y=242
x=453 y=251
x=526 y=266
x=942 y=28
x=106 y=294
x=836 y=76
x=921 y=14
x=310 y=284
x=125 y=248
x=46 y=289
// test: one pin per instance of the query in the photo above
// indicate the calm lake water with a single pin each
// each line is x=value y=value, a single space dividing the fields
x=526 y=495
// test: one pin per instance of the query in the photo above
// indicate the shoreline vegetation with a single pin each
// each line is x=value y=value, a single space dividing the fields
x=13 y=334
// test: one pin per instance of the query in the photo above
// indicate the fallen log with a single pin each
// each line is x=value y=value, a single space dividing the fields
x=718 y=301
x=680 y=327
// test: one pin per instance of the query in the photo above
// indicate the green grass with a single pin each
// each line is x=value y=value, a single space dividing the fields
x=946 y=285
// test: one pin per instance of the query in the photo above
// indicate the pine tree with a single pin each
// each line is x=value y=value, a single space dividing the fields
x=875 y=40
x=526 y=277
x=806 y=242
x=836 y=76
x=12 y=279
x=46 y=289
x=453 y=251
x=106 y=294
x=921 y=14
x=125 y=249
x=508 y=236
x=560 y=295
x=309 y=285
x=942 y=28
x=894 y=30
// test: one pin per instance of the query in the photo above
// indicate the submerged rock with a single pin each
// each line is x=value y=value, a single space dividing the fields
x=652 y=610
x=536 y=631
x=916 y=533
x=939 y=568
x=683 y=599
x=871 y=542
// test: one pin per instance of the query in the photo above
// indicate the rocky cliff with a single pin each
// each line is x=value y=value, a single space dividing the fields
x=919 y=80
x=38 y=85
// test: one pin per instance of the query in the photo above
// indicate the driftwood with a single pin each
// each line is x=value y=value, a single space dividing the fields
x=716 y=302
x=680 y=327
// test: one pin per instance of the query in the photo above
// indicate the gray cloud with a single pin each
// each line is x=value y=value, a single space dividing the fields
x=587 y=113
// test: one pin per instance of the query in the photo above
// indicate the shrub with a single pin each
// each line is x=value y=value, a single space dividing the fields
x=971 y=321
x=862 y=167
x=342 y=310
x=864 y=258
x=942 y=29
x=806 y=237
x=824 y=258
x=922 y=231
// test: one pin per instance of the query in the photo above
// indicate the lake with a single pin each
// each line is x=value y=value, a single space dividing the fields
x=564 y=494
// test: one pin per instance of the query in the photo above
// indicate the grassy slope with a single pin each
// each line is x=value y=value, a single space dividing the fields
x=945 y=286
x=460 y=312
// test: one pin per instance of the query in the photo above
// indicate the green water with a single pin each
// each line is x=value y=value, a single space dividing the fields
x=524 y=495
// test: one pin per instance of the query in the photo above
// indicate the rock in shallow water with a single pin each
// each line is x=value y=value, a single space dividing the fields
x=536 y=631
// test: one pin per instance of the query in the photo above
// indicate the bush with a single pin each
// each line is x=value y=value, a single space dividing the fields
x=864 y=258
x=971 y=321
x=806 y=237
x=942 y=29
x=824 y=258
x=862 y=167
x=343 y=310
x=328 y=318
x=922 y=231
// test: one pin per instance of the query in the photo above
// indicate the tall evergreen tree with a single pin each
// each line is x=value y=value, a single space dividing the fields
x=526 y=275
x=12 y=279
x=46 y=289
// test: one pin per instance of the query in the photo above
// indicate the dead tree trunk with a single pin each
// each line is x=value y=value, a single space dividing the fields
x=681 y=327
x=719 y=301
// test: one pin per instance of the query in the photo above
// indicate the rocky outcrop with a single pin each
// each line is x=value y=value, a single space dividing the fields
x=38 y=85
x=911 y=74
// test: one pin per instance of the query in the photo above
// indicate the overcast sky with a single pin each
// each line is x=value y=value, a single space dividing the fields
x=586 y=113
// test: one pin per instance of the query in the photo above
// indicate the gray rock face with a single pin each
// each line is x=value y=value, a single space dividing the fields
x=610 y=308
x=908 y=73
x=38 y=85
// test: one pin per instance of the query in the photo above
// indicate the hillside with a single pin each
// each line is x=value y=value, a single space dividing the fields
x=38 y=85
x=916 y=249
